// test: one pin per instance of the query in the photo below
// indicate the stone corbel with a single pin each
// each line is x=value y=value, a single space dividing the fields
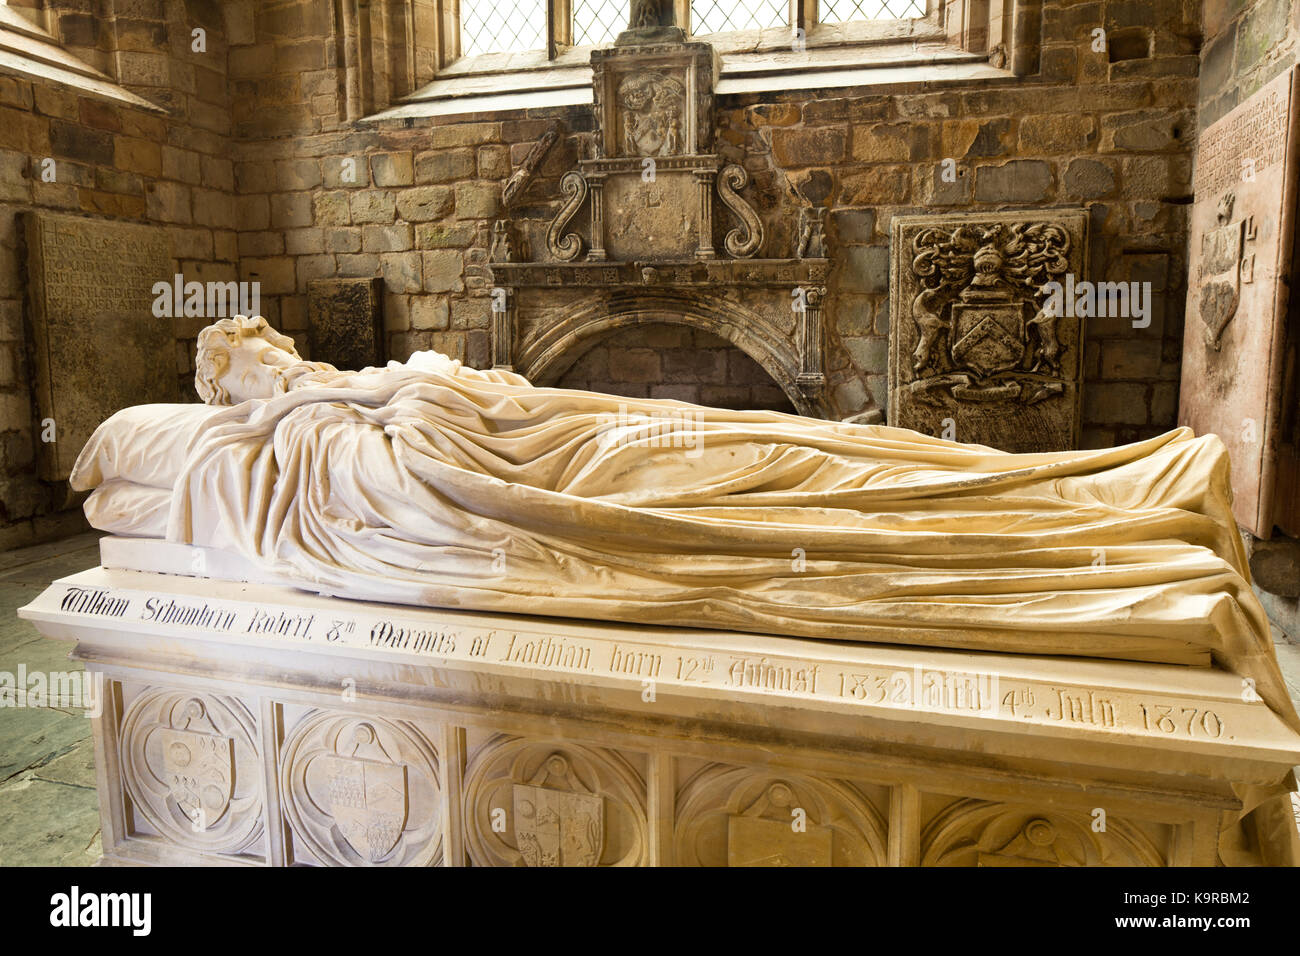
x=743 y=241
x=522 y=176
x=567 y=247
x=811 y=377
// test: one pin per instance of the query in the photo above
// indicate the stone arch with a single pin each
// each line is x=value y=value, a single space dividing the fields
x=544 y=357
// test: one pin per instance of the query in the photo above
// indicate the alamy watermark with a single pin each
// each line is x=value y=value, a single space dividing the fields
x=1084 y=300
x=660 y=428
x=205 y=300
x=60 y=690
x=127 y=910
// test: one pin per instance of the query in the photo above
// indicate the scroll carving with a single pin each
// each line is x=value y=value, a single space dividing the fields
x=743 y=241
x=564 y=247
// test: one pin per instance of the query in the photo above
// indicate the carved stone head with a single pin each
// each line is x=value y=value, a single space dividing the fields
x=242 y=358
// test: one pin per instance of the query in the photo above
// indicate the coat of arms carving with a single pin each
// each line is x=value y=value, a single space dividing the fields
x=982 y=332
x=199 y=764
x=978 y=350
x=556 y=827
x=367 y=795
x=652 y=114
x=755 y=838
x=1225 y=266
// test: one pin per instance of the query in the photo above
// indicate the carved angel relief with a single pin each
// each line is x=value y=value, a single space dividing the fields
x=983 y=328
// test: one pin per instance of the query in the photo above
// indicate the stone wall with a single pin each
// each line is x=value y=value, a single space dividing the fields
x=1108 y=130
x=677 y=362
x=112 y=160
x=1246 y=44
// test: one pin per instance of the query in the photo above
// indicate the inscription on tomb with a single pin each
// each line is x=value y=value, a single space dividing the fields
x=90 y=297
x=1242 y=234
x=881 y=687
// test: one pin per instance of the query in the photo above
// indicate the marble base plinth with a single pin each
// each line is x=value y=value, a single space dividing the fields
x=258 y=724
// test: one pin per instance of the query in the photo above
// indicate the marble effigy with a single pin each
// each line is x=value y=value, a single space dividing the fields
x=278 y=547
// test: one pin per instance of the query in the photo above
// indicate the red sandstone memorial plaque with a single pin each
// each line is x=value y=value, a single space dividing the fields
x=1234 y=340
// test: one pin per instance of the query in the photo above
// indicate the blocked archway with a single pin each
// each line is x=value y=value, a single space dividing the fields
x=551 y=347
x=674 y=361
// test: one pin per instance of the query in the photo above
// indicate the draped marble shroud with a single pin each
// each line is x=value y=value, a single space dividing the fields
x=436 y=485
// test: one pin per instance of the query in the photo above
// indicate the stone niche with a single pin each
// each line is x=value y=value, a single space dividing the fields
x=653 y=228
x=975 y=351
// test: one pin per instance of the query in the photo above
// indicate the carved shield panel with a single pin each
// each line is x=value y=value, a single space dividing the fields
x=753 y=841
x=1242 y=229
x=1223 y=271
x=368 y=802
x=558 y=828
x=988 y=339
x=200 y=771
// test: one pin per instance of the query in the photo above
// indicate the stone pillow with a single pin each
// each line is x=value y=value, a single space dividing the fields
x=125 y=508
x=145 y=444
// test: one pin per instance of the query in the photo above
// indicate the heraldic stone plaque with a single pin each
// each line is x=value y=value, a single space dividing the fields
x=98 y=347
x=1240 y=257
x=977 y=350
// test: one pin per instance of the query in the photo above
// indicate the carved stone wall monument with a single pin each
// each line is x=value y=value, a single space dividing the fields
x=346 y=319
x=655 y=227
x=976 y=351
x=97 y=344
x=1234 y=340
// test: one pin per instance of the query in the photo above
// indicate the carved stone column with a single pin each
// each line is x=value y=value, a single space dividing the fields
x=811 y=375
x=503 y=328
x=596 y=182
x=704 y=179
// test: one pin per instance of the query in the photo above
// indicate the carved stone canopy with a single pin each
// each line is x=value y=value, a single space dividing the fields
x=654 y=221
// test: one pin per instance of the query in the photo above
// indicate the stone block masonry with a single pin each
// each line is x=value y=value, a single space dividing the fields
x=65 y=149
